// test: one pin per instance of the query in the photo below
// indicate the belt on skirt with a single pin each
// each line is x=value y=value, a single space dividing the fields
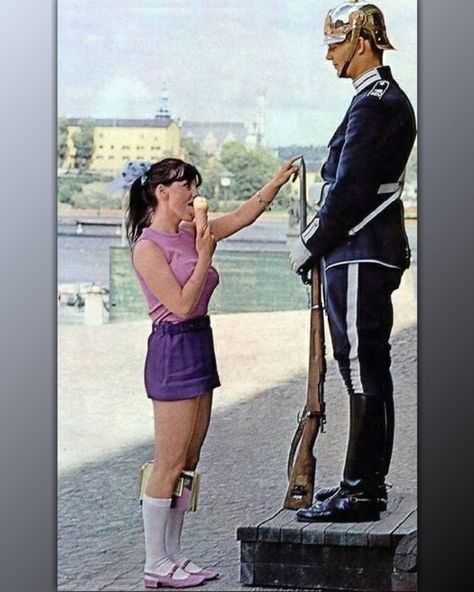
x=169 y=328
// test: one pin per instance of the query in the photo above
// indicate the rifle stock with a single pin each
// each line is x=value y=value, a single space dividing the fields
x=301 y=461
x=301 y=483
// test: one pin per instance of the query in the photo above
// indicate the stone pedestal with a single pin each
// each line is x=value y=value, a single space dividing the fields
x=95 y=312
x=330 y=556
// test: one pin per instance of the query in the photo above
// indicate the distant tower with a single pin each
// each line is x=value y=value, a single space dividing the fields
x=260 y=123
x=163 y=103
x=251 y=136
x=256 y=128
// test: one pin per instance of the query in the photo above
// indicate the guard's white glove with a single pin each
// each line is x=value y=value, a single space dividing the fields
x=299 y=256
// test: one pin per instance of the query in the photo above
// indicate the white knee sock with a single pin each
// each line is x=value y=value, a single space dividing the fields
x=174 y=529
x=156 y=512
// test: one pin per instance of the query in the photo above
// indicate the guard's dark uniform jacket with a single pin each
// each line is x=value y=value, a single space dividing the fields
x=365 y=165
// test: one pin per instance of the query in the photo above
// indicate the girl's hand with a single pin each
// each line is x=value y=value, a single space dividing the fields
x=205 y=242
x=286 y=170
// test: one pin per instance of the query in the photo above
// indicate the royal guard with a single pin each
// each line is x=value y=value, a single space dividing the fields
x=358 y=235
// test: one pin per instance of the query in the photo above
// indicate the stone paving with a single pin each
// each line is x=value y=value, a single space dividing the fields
x=105 y=434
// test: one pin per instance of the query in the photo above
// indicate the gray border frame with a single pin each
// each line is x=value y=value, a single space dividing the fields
x=445 y=292
x=28 y=312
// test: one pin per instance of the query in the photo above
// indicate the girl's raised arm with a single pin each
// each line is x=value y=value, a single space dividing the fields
x=251 y=209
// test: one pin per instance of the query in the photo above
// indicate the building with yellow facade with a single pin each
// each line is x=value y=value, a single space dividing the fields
x=116 y=141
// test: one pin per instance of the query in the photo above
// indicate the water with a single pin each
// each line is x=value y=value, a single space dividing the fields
x=86 y=259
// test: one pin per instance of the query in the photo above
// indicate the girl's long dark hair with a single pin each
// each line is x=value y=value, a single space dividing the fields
x=142 y=201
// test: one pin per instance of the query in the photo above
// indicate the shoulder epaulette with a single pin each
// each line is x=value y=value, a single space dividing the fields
x=379 y=89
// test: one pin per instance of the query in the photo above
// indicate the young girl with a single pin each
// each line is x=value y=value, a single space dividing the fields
x=172 y=256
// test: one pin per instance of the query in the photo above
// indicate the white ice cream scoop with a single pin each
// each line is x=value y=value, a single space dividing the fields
x=200 y=203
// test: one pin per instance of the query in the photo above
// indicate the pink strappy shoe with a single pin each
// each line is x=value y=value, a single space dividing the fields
x=154 y=580
x=207 y=573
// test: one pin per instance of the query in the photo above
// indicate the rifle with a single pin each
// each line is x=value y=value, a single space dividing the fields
x=301 y=460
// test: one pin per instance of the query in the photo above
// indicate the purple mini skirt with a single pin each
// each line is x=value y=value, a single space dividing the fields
x=180 y=361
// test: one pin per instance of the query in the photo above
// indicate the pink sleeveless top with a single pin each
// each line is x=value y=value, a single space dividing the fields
x=180 y=252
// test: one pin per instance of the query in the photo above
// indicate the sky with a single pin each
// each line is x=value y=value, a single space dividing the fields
x=217 y=58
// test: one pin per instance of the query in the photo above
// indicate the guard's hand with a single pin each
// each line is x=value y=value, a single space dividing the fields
x=300 y=256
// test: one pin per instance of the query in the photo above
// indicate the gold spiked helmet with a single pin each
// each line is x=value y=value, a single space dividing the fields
x=350 y=18
x=347 y=20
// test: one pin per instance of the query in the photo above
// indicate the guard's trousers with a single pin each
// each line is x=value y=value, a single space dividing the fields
x=360 y=314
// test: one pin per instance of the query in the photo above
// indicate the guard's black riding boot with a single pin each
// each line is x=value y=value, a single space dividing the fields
x=326 y=492
x=357 y=498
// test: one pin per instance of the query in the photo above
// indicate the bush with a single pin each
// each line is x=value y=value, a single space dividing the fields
x=70 y=188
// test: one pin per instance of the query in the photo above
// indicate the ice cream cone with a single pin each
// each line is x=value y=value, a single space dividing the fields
x=200 y=212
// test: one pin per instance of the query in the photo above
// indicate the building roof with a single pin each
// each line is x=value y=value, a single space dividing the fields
x=220 y=130
x=163 y=121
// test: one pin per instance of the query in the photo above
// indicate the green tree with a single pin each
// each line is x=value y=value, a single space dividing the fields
x=62 y=140
x=196 y=154
x=84 y=144
x=251 y=169
x=210 y=182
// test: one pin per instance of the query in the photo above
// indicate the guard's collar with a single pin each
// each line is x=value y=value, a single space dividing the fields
x=368 y=78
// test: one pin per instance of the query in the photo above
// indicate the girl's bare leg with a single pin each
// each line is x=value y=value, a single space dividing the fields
x=174 y=428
